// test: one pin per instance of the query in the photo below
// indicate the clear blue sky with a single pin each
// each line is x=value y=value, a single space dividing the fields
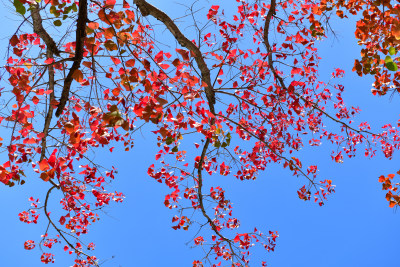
x=355 y=227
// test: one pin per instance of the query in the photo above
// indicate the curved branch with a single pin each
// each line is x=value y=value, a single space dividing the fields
x=200 y=194
x=39 y=30
x=201 y=203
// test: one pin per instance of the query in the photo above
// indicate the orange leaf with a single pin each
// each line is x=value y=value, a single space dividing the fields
x=103 y=16
x=29 y=141
x=43 y=165
x=109 y=33
x=69 y=127
x=45 y=177
x=93 y=25
x=116 y=91
x=130 y=14
x=396 y=30
x=78 y=76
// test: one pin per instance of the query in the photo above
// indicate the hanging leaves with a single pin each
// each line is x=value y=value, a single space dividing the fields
x=246 y=102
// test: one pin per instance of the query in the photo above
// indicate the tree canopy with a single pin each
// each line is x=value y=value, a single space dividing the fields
x=227 y=89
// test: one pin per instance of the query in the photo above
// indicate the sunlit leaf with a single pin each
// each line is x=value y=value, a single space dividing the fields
x=392 y=51
x=390 y=65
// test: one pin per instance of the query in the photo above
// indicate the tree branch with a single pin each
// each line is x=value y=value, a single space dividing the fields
x=49 y=115
x=39 y=30
x=148 y=9
x=79 y=42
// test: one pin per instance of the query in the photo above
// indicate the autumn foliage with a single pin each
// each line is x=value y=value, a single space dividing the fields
x=246 y=91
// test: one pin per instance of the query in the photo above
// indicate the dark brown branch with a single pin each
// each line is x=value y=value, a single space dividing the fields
x=51 y=49
x=271 y=12
x=49 y=115
x=39 y=30
x=148 y=9
x=79 y=42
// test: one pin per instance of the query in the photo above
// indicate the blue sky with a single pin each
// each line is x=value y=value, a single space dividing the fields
x=355 y=227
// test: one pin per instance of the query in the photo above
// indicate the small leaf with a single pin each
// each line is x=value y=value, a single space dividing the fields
x=228 y=138
x=74 y=7
x=217 y=144
x=53 y=10
x=19 y=7
x=169 y=140
x=392 y=51
x=57 y=23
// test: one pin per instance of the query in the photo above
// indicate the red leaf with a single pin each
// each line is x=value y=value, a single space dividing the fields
x=14 y=40
x=30 y=141
x=52 y=158
x=49 y=60
x=110 y=3
x=29 y=244
x=130 y=63
x=116 y=60
x=35 y=100
x=125 y=5
x=296 y=71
